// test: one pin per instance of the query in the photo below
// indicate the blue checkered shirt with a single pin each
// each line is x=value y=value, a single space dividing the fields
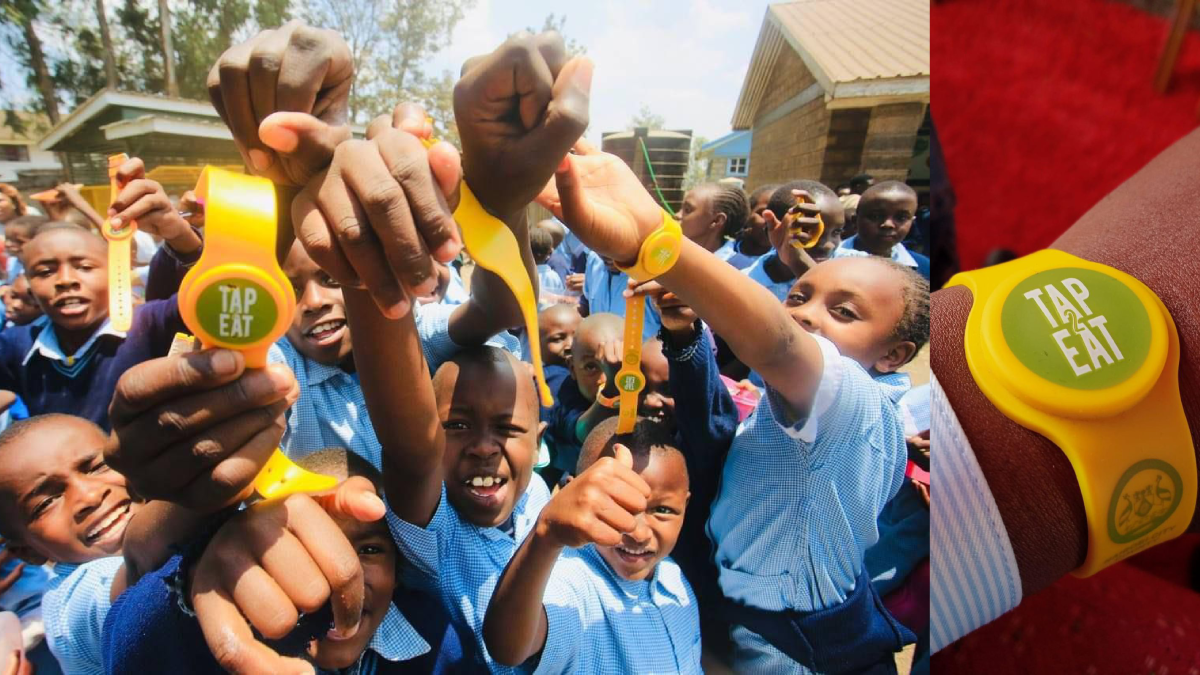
x=598 y=622
x=73 y=609
x=332 y=412
x=758 y=272
x=605 y=292
x=799 y=499
x=460 y=563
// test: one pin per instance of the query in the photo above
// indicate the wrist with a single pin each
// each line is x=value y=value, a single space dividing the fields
x=184 y=239
x=542 y=541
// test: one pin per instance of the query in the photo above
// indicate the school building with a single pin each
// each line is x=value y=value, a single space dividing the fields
x=836 y=88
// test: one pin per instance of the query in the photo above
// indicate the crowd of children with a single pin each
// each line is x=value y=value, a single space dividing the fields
x=762 y=527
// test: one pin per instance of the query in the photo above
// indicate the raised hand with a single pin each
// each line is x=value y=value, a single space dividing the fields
x=598 y=196
x=303 y=74
x=799 y=225
x=519 y=110
x=378 y=218
x=598 y=505
x=145 y=201
x=277 y=559
x=676 y=315
x=195 y=428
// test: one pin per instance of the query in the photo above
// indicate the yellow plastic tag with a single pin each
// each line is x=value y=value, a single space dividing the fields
x=796 y=230
x=630 y=380
x=120 y=272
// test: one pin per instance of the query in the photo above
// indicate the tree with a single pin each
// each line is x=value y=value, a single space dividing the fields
x=164 y=21
x=646 y=118
x=360 y=23
x=697 y=171
x=556 y=23
x=110 y=63
x=27 y=46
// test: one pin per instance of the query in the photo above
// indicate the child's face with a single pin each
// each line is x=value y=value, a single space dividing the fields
x=491 y=424
x=58 y=496
x=657 y=401
x=68 y=276
x=377 y=555
x=756 y=227
x=586 y=357
x=884 y=218
x=20 y=307
x=556 y=327
x=855 y=303
x=15 y=236
x=658 y=528
x=7 y=208
x=319 y=330
x=833 y=214
x=696 y=214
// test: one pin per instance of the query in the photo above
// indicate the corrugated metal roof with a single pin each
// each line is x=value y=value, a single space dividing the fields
x=842 y=42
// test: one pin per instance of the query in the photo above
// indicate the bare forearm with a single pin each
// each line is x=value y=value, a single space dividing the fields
x=515 y=626
x=388 y=353
x=152 y=533
x=492 y=307
x=752 y=321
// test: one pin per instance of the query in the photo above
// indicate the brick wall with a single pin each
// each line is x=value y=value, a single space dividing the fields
x=890 y=138
x=793 y=146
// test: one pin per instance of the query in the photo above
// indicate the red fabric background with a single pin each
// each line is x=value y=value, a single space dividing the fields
x=1043 y=107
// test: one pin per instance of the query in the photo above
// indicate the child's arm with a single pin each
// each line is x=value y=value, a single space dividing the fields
x=597 y=506
x=604 y=203
x=150 y=536
x=610 y=363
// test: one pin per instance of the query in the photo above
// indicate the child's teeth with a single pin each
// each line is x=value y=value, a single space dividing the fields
x=477 y=481
x=487 y=482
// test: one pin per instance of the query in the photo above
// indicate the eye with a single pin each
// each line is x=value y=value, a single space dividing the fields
x=99 y=467
x=371 y=549
x=329 y=281
x=44 y=506
x=591 y=367
x=796 y=298
x=844 y=312
x=663 y=510
x=454 y=425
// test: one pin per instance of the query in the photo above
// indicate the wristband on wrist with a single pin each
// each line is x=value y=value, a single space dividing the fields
x=1088 y=356
x=658 y=252
x=120 y=255
x=629 y=378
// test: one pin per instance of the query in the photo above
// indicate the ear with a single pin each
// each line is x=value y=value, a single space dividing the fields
x=25 y=552
x=719 y=221
x=542 y=431
x=687 y=500
x=899 y=354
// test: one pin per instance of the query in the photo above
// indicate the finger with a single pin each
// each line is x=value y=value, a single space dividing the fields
x=531 y=81
x=337 y=559
x=301 y=137
x=212 y=468
x=157 y=380
x=567 y=112
x=599 y=531
x=446 y=165
x=316 y=75
x=183 y=417
x=131 y=169
x=616 y=517
x=408 y=162
x=378 y=125
x=316 y=235
x=410 y=117
x=286 y=561
x=133 y=190
x=235 y=93
x=353 y=233
x=266 y=60
x=623 y=455
x=229 y=637
x=258 y=595
x=626 y=493
x=355 y=498
x=11 y=578
x=573 y=206
x=378 y=186
x=584 y=147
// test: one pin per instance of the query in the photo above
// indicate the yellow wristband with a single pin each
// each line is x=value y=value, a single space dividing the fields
x=659 y=251
x=120 y=268
x=794 y=240
x=237 y=297
x=1088 y=356
x=630 y=380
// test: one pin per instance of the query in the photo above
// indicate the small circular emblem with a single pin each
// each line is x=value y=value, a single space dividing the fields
x=236 y=311
x=1146 y=496
x=1077 y=327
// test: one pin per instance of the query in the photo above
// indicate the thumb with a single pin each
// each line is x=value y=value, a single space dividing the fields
x=624 y=456
x=446 y=165
x=567 y=113
x=302 y=137
x=354 y=498
x=574 y=208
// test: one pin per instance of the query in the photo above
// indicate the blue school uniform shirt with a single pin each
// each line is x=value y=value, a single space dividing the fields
x=604 y=292
x=800 y=498
x=758 y=272
x=551 y=287
x=332 y=411
x=561 y=420
x=73 y=610
x=461 y=563
x=597 y=622
x=899 y=254
x=731 y=252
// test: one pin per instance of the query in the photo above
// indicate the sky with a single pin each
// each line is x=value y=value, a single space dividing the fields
x=685 y=59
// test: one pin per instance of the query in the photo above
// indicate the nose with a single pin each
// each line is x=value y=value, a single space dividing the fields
x=806 y=316
x=640 y=537
x=66 y=279
x=483 y=446
x=312 y=299
x=89 y=495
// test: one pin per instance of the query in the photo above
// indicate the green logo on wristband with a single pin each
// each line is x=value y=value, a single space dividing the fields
x=236 y=311
x=1146 y=496
x=1076 y=327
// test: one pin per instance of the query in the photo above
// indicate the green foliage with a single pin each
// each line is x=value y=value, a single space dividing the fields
x=645 y=117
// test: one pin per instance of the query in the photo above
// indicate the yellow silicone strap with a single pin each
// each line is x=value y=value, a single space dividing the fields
x=630 y=380
x=1088 y=356
x=795 y=241
x=120 y=244
x=237 y=297
x=659 y=251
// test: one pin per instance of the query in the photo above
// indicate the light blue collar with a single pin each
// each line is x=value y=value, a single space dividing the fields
x=900 y=254
x=47 y=345
x=396 y=639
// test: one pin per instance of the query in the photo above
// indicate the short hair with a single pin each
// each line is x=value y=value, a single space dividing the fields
x=648 y=436
x=889 y=185
x=27 y=222
x=541 y=242
x=782 y=199
x=861 y=179
x=340 y=463
x=759 y=191
x=12 y=193
x=54 y=225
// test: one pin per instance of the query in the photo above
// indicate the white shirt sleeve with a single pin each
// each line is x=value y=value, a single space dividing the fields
x=973 y=572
